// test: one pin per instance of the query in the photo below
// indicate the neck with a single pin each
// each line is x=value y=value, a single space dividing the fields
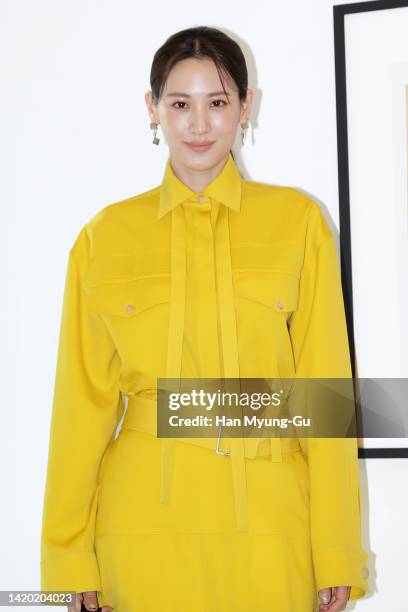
x=197 y=179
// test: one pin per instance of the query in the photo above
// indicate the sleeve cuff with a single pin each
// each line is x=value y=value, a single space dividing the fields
x=334 y=567
x=77 y=572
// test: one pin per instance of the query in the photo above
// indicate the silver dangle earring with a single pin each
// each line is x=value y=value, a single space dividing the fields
x=243 y=133
x=153 y=126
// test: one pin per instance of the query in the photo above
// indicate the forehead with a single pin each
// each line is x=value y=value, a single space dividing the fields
x=193 y=75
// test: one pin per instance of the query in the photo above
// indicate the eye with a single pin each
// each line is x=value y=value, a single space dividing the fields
x=223 y=103
x=218 y=104
x=178 y=102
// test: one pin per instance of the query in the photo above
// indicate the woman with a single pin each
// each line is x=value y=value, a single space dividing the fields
x=209 y=276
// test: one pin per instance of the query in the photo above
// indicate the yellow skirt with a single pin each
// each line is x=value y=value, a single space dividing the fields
x=188 y=556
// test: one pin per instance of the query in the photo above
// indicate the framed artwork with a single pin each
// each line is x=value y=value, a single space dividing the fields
x=371 y=69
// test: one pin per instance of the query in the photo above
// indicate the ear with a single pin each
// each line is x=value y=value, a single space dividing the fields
x=246 y=106
x=151 y=107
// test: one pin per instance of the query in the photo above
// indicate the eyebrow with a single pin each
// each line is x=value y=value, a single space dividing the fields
x=179 y=94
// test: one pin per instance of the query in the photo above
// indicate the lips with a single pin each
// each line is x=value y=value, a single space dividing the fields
x=199 y=146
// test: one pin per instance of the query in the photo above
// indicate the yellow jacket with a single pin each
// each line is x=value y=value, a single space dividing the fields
x=268 y=294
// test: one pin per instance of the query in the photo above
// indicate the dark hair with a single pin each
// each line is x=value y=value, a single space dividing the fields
x=200 y=42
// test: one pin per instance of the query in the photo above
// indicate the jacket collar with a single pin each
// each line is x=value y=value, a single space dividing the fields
x=226 y=188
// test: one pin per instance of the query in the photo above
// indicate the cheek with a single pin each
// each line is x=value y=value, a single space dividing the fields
x=173 y=124
x=225 y=122
x=176 y=122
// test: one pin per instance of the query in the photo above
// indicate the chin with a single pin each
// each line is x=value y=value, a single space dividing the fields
x=205 y=159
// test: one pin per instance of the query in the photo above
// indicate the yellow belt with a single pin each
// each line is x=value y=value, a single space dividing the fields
x=141 y=412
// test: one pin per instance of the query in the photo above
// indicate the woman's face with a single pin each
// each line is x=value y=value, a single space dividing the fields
x=194 y=108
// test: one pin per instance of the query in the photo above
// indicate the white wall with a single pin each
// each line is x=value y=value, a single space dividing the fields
x=76 y=137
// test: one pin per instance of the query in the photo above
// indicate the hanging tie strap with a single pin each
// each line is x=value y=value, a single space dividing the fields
x=175 y=334
x=230 y=350
x=239 y=447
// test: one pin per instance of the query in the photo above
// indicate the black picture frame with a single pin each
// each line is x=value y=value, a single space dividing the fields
x=339 y=13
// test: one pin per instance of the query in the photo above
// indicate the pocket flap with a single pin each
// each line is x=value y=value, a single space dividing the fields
x=128 y=298
x=277 y=290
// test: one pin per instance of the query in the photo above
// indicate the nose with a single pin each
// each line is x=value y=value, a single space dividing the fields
x=199 y=122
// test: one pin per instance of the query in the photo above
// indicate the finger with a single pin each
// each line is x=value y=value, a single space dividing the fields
x=77 y=604
x=337 y=606
x=342 y=595
x=107 y=608
x=325 y=597
x=343 y=591
x=91 y=601
x=326 y=607
x=340 y=598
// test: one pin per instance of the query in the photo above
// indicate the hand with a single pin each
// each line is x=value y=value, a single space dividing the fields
x=90 y=601
x=333 y=602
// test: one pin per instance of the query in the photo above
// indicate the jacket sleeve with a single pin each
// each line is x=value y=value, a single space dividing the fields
x=320 y=345
x=85 y=411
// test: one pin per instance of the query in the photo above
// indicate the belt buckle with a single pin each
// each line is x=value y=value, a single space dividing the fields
x=217 y=448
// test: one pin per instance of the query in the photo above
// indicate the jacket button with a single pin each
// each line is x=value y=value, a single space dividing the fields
x=129 y=308
x=279 y=304
x=201 y=199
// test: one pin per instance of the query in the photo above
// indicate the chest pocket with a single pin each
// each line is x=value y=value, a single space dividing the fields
x=125 y=286
x=277 y=291
x=128 y=298
x=268 y=275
